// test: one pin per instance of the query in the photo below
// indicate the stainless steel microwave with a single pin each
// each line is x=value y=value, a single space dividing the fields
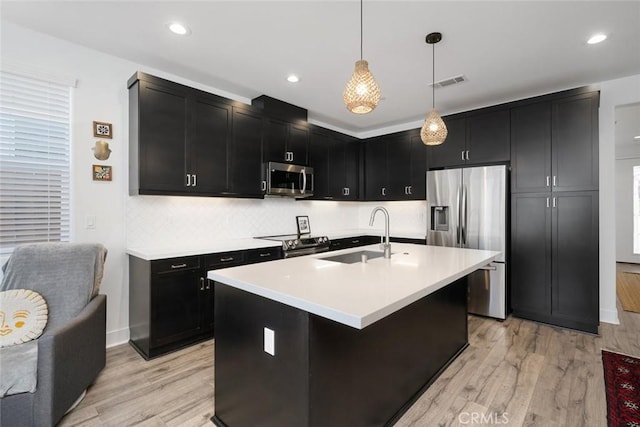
x=282 y=179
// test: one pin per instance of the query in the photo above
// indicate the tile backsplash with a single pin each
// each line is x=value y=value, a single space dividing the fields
x=167 y=221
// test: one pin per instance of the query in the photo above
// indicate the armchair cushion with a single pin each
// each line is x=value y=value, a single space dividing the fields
x=23 y=316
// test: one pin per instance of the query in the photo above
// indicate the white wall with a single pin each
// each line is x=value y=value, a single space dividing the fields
x=612 y=94
x=102 y=95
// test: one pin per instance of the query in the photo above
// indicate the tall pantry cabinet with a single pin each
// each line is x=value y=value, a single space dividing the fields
x=554 y=211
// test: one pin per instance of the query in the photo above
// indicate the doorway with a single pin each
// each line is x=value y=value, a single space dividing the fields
x=627 y=149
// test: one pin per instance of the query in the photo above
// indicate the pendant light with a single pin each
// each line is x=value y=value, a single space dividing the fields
x=433 y=131
x=362 y=93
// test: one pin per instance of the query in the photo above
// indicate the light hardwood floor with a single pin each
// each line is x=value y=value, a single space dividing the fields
x=513 y=373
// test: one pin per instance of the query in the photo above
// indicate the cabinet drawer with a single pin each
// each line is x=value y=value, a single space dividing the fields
x=175 y=264
x=224 y=259
x=263 y=255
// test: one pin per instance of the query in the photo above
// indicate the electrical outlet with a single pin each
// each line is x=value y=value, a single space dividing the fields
x=90 y=222
x=269 y=341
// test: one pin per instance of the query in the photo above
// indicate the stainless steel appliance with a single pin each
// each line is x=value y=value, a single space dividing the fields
x=283 y=179
x=297 y=245
x=467 y=208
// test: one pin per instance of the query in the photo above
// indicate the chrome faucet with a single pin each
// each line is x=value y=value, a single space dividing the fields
x=386 y=245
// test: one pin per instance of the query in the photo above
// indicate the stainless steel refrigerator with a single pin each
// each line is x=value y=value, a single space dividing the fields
x=466 y=208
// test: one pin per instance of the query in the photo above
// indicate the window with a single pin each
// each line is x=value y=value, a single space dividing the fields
x=34 y=161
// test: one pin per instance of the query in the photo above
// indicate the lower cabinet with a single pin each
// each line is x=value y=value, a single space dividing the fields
x=171 y=301
x=354 y=242
x=554 y=258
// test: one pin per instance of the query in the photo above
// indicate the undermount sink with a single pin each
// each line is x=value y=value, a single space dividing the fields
x=353 y=257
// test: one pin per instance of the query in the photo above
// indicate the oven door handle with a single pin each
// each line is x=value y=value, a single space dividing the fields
x=304 y=181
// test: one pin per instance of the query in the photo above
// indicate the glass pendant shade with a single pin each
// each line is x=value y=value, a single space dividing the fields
x=362 y=93
x=433 y=131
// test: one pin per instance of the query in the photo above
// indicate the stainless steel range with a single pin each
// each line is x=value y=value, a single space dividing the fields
x=297 y=245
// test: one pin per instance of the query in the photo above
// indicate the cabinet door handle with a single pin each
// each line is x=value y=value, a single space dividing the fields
x=202 y=283
x=344 y=191
x=355 y=241
x=188 y=180
x=348 y=191
x=410 y=189
x=265 y=254
x=547 y=202
x=547 y=180
x=226 y=259
x=467 y=156
x=384 y=191
x=462 y=155
x=174 y=266
x=208 y=284
x=264 y=186
x=554 y=202
x=554 y=181
x=291 y=155
x=195 y=177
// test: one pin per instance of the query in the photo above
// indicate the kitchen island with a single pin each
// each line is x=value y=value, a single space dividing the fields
x=317 y=341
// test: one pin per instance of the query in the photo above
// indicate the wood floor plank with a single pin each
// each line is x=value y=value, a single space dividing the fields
x=533 y=374
x=628 y=289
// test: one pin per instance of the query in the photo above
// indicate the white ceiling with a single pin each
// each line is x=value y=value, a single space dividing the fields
x=506 y=50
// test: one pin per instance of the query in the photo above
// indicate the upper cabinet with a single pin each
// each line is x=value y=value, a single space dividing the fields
x=474 y=138
x=184 y=141
x=554 y=144
x=335 y=160
x=286 y=131
x=395 y=167
x=286 y=142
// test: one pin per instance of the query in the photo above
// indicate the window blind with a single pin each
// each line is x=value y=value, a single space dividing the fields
x=34 y=161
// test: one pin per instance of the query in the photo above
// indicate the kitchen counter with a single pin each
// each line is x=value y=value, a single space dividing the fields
x=150 y=253
x=306 y=342
x=356 y=294
x=163 y=252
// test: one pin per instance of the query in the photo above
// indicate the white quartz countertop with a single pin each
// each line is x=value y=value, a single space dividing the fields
x=160 y=252
x=356 y=294
x=150 y=253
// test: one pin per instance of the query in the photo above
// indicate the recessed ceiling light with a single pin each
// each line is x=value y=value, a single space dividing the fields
x=597 y=38
x=637 y=137
x=292 y=78
x=178 y=28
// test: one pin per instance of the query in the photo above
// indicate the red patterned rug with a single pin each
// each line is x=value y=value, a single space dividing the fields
x=622 y=385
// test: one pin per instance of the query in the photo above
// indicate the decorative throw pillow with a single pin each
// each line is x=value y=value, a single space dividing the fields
x=23 y=316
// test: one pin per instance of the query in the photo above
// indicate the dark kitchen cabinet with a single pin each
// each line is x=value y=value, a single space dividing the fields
x=451 y=152
x=319 y=145
x=335 y=160
x=246 y=154
x=555 y=144
x=158 y=121
x=208 y=147
x=554 y=258
x=475 y=138
x=395 y=167
x=166 y=298
x=574 y=143
x=171 y=301
x=286 y=142
x=183 y=141
x=352 y=242
x=531 y=148
x=375 y=164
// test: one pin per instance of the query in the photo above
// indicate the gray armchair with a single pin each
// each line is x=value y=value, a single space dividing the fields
x=72 y=349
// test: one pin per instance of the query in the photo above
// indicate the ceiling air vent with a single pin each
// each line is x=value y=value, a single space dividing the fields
x=450 y=81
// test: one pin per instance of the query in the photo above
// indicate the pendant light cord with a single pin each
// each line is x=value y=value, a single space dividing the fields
x=433 y=77
x=361 y=30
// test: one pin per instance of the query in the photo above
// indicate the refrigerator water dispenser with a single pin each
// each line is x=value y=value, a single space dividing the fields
x=440 y=218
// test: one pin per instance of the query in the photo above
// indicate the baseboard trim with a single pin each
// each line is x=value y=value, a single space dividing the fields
x=609 y=316
x=117 y=337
